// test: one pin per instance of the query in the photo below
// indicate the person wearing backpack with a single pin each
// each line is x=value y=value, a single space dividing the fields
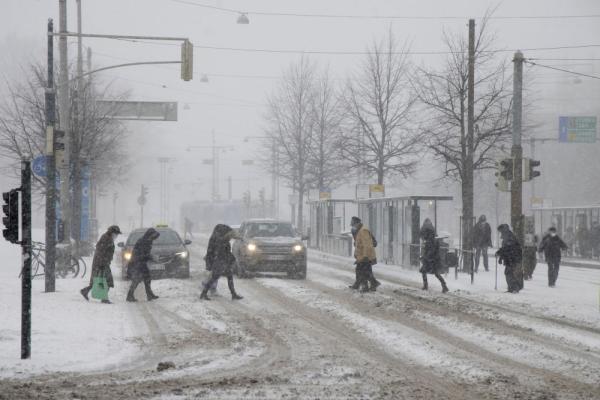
x=365 y=256
x=430 y=258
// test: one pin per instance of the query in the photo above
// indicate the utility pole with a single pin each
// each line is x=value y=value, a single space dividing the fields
x=115 y=197
x=516 y=195
x=468 y=192
x=215 y=170
x=77 y=135
x=65 y=118
x=26 y=255
x=229 y=188
x=50 y=100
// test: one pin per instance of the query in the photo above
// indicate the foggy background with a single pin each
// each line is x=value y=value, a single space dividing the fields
x=232 y=103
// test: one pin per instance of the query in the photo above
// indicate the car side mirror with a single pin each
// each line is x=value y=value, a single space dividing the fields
x=305 y=237
x=187 y=241
x=121 y=244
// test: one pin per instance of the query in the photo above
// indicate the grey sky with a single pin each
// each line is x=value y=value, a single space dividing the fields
x=232 y=105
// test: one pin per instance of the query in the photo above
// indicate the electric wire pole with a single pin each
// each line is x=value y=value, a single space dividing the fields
x=65 y=118
x=468 y=192
x=516 y=195
x=50 y=100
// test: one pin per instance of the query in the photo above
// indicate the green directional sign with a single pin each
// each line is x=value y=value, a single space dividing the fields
x=577 y=129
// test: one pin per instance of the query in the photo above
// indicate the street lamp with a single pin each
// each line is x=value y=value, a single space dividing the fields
x=243 y=19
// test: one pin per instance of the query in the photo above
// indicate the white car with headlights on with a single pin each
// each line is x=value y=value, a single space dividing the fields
x=267 y=245
x=170 y=256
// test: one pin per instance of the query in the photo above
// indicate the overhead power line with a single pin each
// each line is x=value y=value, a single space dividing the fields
x=562 y=70
x=381 y=17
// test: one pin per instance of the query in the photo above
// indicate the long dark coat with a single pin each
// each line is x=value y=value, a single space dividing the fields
x=105 y=249
x=219 y=258
x=511 y=252
x=482 y=235
x=552 y=246
x=430 y=258
x=138 y=266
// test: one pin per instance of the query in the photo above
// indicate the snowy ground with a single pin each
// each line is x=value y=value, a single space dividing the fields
x=308 y=339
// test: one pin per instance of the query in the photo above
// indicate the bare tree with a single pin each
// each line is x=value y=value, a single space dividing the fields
x=326 y=167
x=444 y=97
x=379 y=100
x=290 y=123
x=99 y=143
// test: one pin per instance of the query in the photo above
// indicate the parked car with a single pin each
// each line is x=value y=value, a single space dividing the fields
x=171 y=256
x=267 y=245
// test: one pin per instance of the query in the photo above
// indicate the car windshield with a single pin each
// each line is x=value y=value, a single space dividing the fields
x=167 y=237
x=269 y=229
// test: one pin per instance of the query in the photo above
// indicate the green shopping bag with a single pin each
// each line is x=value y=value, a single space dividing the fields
x=100 y=288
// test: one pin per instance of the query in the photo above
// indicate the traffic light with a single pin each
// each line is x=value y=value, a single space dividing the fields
x=187 y=60
x=246 y=198
x=11 y=216
x=59 y=140
x=261 y=196
x=506 y=169
x=528 y=169
x=502 y=184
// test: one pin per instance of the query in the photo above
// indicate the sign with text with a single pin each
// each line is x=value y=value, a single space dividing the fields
x=377 y=191
x=577 y=129
x=139 y=110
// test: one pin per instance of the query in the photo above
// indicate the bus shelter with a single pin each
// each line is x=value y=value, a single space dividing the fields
x=578 y=226
x=394 y=221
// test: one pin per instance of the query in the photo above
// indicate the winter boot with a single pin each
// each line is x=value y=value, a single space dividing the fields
x=152 y=296
x=444 y=288
x=204 y=294
x=374 y=285
x=84 y=292
x=130 y=298
x=234 y=295
x=354 y=286
x=106 y=301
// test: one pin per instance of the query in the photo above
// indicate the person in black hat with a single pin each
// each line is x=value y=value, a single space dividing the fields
x=552 y=245
x=105 y=249
x=364 y=253
x=138 y=266
x=510 y=254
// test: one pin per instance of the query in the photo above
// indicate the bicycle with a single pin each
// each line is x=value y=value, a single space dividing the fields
x=62 y=270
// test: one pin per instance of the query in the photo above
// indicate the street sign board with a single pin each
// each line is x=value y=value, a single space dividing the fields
x=38 y=166
x=377 y=191
x=362 y=191
x=577 y=129
x=139 y=110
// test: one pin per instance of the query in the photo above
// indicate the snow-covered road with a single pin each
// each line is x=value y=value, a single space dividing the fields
x=309 y=339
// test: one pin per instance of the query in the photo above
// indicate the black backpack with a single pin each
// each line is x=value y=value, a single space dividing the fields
x=373 y=239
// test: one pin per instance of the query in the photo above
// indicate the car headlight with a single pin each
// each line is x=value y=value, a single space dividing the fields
x=251 y=247
x=127 y=256
x=182 y=254
x=298 y=247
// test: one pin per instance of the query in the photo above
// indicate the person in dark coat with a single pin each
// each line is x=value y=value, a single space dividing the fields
x=510 y=254
x=482 y=240
x=595 y=239
x=138 y=269
x=103 y=255
x=552 y=245
x=430 y=258
x=220 y=260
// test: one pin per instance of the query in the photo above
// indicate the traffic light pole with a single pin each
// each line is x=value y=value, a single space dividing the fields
x=26 y=252
x=50 y=99
x=516 y=198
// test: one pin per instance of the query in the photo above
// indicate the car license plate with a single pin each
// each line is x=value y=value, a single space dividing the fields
x=277 y=257
x=156 y=267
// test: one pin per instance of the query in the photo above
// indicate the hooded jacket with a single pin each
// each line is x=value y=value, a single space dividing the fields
x=142 y=252
x=219 y=258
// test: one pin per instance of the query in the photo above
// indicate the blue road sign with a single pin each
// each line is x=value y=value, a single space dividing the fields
x=577 y=129
x=38 y=166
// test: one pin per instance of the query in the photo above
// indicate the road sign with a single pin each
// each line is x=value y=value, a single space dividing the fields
x=362 y=191
x=39 y=166
x=139 y=110
x=377 y=191
x=577 y=129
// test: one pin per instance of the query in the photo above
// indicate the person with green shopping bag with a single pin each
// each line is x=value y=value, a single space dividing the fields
x=105 y=249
